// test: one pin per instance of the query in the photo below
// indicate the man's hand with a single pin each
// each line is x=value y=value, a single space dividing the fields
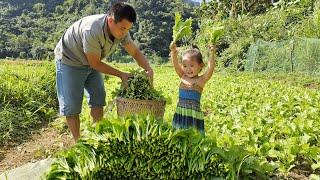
x=124 y=78
x=149 y=73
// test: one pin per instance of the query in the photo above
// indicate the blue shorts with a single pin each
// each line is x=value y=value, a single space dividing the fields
x=72 y=82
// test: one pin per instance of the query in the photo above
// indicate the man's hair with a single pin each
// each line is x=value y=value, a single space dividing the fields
x=120 y=11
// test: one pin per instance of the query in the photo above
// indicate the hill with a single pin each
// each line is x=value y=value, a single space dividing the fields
x=31 y=28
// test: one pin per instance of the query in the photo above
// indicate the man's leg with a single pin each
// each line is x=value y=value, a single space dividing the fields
x=70 y=87
x=74 y=126
x=96 y=113
x=96 y=94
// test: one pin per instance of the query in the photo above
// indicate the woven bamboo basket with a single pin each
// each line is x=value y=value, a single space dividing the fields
x=129 y=107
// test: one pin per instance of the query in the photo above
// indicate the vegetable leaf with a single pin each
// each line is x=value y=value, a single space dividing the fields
x=181 y=28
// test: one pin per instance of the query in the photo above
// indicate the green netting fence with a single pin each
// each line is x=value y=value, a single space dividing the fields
x=296 y=55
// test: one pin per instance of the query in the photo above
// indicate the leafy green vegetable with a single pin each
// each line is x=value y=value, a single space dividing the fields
x=140 y=148
x=181 y=28
x=212 y=32
x=139 y=87
x=215 y=34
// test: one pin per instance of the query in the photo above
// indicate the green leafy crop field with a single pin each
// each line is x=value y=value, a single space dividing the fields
x=258 y=125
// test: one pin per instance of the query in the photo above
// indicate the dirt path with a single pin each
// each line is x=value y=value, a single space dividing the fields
x=40 y=146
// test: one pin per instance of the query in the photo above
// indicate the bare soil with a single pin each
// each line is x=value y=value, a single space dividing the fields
x=45 y=143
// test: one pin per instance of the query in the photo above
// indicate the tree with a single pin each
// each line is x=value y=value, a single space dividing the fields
x=38 y=52
x=225 y=8
x=42 y=22
x=154 y=26
x=39 y=8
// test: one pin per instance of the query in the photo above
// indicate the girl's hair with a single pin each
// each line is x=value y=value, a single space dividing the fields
x=195 y=53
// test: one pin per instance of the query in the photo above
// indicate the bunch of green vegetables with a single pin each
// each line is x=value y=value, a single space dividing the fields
x=210 y=32
x=140 y=149
x=181 y=28
x=138 y=87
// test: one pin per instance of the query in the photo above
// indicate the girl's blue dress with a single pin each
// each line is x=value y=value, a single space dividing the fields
x=188 y=113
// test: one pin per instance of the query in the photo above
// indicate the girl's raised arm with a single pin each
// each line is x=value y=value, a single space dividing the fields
x=211 y=64
x=174 y=59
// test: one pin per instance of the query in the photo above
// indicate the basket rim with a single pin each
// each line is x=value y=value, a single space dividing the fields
x=140 y=100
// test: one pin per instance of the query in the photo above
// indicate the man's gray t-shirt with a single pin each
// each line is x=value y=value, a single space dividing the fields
x=87 y=35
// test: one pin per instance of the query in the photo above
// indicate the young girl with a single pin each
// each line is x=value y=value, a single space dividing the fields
x=188 y=113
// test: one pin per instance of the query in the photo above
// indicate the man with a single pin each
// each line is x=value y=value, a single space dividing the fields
x=78 y=57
